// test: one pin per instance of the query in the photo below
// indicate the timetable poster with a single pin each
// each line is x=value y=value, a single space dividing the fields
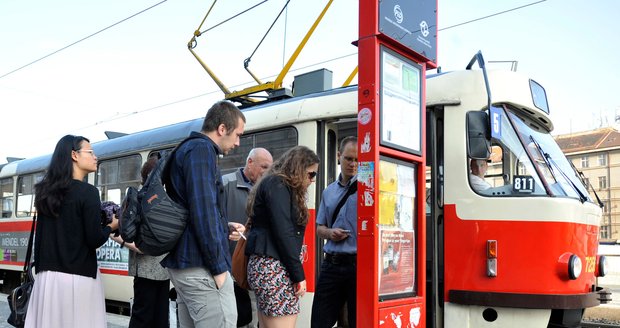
x=396 y=262
x=396 y=195
x=396 y=227
x=401 y=103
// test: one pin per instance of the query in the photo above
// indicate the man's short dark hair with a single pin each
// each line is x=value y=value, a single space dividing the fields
x=222 y=112
x=345 y=141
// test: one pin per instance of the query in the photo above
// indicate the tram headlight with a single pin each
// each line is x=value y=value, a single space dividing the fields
x=574 y=267
x=603 y=266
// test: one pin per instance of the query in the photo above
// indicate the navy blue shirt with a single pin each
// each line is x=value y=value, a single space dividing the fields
x=198 y=183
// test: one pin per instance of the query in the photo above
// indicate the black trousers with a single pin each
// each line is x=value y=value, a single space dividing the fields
x=336 y=285
x=150 y=303
x=244 y=306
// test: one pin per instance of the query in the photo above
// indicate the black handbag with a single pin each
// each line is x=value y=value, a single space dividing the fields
x=19 y=297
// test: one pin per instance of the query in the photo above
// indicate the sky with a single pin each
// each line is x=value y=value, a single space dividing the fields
x=85 y=67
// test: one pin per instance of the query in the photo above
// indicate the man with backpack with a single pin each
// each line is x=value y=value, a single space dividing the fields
x=200 y=263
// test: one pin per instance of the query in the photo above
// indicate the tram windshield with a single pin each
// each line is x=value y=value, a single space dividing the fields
x=560 y=177
x=526 y=161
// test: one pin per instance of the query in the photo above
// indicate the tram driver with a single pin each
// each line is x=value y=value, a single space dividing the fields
x=476 y=176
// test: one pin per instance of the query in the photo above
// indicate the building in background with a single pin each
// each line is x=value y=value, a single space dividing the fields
x=596 y=153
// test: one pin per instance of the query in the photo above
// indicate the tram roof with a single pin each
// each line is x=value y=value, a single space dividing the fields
x=467 y=89
x=283 y=112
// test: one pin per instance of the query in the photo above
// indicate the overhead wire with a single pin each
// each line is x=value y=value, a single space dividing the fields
x=232 y=17
x=124 y=115
x=215 y=91
x=323 y=62
x=82 y=39
x=492 y=15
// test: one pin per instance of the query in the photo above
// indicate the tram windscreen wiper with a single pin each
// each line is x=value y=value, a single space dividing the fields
x=543 y=157
x=587 y=185
x=551 y=163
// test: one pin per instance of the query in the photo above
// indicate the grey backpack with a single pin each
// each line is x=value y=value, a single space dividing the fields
x=150 y=217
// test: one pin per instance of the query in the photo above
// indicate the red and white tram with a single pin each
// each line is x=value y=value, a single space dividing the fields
x=522 y=253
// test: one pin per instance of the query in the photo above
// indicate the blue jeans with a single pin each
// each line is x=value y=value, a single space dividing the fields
x=201 y=304
x=336 y=285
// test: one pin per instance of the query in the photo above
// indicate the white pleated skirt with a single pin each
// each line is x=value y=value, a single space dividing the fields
x=66 y=300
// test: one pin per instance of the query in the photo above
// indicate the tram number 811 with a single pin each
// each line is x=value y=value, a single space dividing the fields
x=523 y=184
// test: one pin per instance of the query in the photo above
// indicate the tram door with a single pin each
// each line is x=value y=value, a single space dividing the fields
x=332 y=134
x=434 y=216
x=328 y=152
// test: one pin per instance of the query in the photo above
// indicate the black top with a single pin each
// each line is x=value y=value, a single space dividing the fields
x=68 y=243
x=275 y=231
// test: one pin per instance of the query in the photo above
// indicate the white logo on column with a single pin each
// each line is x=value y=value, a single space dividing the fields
x=366 y=145
x=424 y=28
x=414 y=317
x=368 y=200
x=398 y=322
x=398 y=14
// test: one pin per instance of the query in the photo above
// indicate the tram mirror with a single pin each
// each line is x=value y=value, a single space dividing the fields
x=478 y=140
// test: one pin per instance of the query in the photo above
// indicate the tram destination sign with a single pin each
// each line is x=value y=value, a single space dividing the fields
x=411 y=23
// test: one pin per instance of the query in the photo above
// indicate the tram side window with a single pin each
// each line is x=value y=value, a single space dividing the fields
x=510 y=170
x=6 y=197
x=496 y=173
x=116 y=175
x=25 y=194
x=277 y=142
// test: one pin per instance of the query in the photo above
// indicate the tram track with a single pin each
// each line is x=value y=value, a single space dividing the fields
x=599 y=325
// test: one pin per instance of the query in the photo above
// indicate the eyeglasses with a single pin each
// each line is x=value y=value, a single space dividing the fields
x=312 y=175
x=90 y=151
x=350 y=159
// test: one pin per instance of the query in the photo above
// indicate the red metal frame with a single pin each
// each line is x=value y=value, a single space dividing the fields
x=369 y=309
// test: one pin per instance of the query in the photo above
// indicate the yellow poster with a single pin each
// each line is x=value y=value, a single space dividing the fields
x=387 y=207
x=388 y=177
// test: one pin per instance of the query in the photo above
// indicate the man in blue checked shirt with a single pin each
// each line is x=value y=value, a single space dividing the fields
x=200 y=264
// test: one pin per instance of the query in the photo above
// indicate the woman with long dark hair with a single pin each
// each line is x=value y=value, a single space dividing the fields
x=278 y=213
x=68 y=291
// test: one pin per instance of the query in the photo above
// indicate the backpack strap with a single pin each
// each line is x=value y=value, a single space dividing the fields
x=27 y=272
x=30 y=241
x=350 y=191
x=165 y=174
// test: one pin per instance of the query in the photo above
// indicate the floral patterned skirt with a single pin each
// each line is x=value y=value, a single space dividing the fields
x=268 y=278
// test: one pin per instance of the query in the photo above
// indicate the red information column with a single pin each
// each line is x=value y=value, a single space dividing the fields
x=397 y=43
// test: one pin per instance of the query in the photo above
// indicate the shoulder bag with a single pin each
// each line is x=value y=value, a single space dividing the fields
x=19 y=297
x=350 y=191
x=240 y=260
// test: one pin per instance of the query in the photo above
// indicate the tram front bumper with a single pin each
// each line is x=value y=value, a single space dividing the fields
x=531 y=301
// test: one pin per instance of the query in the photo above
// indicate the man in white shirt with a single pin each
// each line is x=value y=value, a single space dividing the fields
x=476 y=177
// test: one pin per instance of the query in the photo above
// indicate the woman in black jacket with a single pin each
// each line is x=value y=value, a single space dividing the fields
x=278 y=213
x=68 y=291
